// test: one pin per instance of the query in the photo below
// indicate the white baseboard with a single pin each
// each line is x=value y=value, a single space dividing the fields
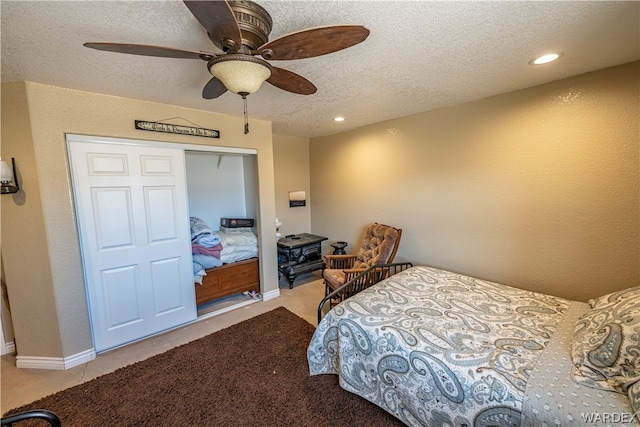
x=9 y=348
x=61 y=364
x=55 y=363
x=271 y=295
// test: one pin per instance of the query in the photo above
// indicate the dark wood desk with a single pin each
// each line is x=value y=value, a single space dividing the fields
x=299 y=254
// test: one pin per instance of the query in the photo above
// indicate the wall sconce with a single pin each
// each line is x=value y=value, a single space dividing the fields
x=8 y=177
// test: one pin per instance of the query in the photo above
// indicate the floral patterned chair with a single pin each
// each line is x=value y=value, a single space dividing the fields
x=379 y=246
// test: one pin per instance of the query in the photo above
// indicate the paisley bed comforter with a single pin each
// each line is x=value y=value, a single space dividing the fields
x=435 y=348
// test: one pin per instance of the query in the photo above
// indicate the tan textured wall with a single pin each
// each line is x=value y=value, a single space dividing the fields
x=26 y=265
x=537 y=188
x=291 y=166
x=48 y=284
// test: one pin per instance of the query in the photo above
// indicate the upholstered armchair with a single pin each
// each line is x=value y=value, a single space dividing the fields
x=379 y=246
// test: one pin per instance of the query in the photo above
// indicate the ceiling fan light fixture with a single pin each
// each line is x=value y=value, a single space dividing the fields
x=241 y=74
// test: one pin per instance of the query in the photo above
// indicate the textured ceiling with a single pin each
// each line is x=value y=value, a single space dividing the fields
x=421 y=55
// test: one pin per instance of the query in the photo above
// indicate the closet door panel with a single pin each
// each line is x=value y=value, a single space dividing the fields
x=167 y=297
x=121 y=297
x=157 y=165
x=112 y=217
x=160 y=210
x=107 y=164
x=134 y=230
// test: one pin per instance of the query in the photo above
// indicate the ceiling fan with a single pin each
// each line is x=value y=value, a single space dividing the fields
x=240 y=29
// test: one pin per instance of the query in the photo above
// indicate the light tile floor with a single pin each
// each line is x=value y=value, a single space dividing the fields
x=21 y=386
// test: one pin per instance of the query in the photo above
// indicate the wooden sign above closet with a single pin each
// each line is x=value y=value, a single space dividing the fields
x=183 y=130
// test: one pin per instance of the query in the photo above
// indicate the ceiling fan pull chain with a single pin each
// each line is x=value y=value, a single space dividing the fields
x=246 y=118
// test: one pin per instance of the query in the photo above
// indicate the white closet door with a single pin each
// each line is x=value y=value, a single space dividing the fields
x=133 y=219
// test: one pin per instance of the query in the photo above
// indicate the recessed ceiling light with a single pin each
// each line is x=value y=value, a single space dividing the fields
x=338 y=119
x=545 y=59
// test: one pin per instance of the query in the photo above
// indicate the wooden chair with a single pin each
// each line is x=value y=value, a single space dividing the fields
x=379 y=246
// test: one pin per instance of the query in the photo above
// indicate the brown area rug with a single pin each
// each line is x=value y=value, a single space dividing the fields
x=254 y=373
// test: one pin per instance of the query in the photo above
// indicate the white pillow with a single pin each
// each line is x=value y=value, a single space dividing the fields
x=606 y=346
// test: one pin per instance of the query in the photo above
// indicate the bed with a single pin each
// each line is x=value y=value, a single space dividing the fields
x=435 y=348
x=224 y=261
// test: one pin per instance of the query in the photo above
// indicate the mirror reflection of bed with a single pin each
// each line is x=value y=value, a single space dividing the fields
x=222 y=187
x=225 y=266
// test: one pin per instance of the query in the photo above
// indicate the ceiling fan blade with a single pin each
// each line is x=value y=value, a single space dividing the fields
x=314 y=42
x=291 y=82
x=220 y=22
x=213 y=89
x=149 y=50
